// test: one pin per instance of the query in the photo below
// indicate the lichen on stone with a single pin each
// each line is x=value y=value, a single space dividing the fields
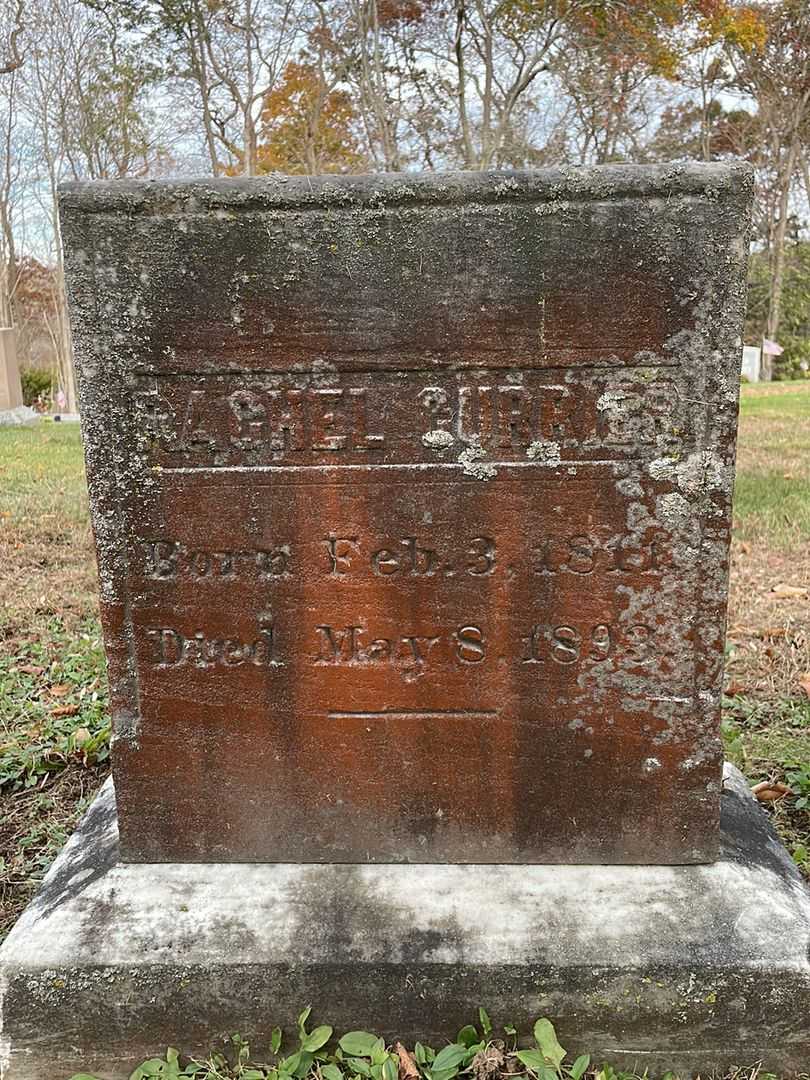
x=438 y=440
x=544 y=452
x=473 y=461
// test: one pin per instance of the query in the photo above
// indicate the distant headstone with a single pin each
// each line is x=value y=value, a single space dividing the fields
x=10 y=387
x=412 y=502
x=751 y=362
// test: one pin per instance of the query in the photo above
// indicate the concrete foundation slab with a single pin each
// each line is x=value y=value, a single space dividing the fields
x=680 y=968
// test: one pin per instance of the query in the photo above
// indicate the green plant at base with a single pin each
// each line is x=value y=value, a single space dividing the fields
x=362 y=1054
x=798 y=780
x=546 y=1062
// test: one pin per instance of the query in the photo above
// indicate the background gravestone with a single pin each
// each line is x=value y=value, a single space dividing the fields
x=412 y=502
x=10 y=386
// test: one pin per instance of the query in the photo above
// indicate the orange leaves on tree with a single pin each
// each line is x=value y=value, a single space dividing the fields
x=399 y=11
x=307 y=125
x=737 y=24
x=662 y=33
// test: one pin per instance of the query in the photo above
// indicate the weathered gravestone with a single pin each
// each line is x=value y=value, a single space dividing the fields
x=412 y=505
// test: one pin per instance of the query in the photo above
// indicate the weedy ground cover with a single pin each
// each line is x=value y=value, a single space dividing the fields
x=766 y=716
x=54 y=723
x=479 y=1052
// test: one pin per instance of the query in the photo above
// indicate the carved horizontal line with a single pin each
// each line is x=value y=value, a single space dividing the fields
x=437 y=368
x=338 y=714
x=420 y=466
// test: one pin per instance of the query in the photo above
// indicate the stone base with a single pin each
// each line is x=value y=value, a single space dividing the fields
x=682 y=968
x=22 y=414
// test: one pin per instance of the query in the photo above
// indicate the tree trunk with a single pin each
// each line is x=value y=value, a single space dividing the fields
x=778 y=256
x=251 y=158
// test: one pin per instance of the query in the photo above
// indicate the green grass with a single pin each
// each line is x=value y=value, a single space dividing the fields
x=766 y=503
x=46 y=461
x=767 y=727
x=772 y=492
x=54 y=723
x=53 y=704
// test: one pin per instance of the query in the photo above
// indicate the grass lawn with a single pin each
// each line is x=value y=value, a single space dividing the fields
x=767 y=714
x=54 y=730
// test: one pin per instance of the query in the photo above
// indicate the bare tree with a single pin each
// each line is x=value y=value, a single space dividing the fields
x=84 y=92
x=777 y=77
x=232 y=52
x=12 y=15
x=9 y=169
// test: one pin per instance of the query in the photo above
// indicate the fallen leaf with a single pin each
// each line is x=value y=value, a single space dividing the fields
x=733 y=689
x=30 y=669
x=407 y=1066
x=64 y=710
x=59 y=690
x=772 y=632
x=798 y=592
x=770 y=791
x=80 y=737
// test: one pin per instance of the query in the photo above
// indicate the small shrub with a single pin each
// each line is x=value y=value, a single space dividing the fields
x=35 y=382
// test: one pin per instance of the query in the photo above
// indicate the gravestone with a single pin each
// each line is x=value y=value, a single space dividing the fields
x=10 y=386
x=412 y=502
x=751 y=362
x=411 y=499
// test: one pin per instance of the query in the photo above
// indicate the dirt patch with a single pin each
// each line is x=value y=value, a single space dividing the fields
x=769 y=634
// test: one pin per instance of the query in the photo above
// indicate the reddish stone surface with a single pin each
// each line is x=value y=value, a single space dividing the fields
x=412 y=504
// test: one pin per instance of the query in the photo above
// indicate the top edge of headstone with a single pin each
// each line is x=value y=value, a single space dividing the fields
x=728 y=180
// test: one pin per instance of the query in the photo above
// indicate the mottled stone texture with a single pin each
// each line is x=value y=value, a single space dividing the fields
x=684 y=968
x=412 y=504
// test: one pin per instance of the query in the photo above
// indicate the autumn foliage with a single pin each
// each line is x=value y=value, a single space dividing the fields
x=308 y=126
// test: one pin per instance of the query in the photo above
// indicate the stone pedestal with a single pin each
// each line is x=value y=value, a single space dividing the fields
x=10 y=386
x=682 y=968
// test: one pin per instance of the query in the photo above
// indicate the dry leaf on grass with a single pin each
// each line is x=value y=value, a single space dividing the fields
x=772 y=632
x=30 y=669
x=64 y=710
x=408 y=1069
x=770 y=791
x=59 y=690
x=734 y=689
x=794 y=592
x=80 y=737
